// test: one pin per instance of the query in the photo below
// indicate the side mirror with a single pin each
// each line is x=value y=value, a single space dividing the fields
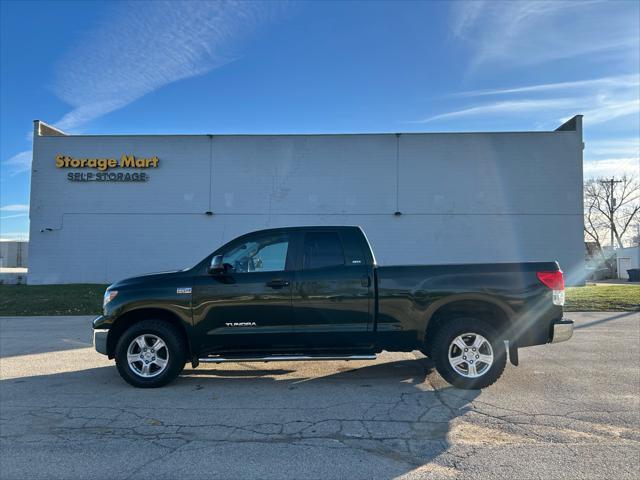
x=217 y=266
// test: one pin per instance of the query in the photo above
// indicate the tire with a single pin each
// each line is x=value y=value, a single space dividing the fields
x=476 y=371
x=153 y=368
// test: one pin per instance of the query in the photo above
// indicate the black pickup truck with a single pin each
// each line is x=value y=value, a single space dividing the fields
x=317 y=293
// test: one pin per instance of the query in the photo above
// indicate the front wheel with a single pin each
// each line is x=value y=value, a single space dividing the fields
x=150 y=354
x=469 y=353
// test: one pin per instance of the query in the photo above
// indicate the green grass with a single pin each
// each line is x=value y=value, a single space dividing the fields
x=86 y=299
x=72 y=299
x=603 y=298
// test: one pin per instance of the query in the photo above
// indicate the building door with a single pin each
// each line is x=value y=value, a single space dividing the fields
x=624 y=264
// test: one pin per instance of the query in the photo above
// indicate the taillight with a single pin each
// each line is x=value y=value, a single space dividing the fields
x=554 y=281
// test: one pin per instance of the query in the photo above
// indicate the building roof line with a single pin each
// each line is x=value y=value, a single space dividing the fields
x=42 y=129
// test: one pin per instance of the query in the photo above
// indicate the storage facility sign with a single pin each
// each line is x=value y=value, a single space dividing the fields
x=107 y=168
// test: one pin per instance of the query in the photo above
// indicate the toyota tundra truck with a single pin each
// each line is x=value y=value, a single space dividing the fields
x=317 y=293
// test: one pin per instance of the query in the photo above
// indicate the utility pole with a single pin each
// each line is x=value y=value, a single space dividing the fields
x=612 y=204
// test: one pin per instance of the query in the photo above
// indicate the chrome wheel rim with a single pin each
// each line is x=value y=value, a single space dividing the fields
x=470 y=355
x=147 y=355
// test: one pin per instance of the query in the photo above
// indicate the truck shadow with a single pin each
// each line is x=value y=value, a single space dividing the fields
x=311 y=419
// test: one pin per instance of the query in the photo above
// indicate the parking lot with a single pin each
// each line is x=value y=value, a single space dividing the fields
x=570 y=410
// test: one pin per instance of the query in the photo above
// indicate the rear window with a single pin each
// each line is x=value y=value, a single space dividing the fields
x=322 y=249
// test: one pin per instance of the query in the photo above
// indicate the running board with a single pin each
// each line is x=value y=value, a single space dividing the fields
x=285 y=358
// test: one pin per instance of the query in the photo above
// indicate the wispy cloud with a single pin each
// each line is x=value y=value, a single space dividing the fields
x=612 y=167
x=465 y=16
x=502 y=108
x=16 y=210
x=614 y=82
x=148 y=45
x=619 y=147
x=528 y=32
x=609 y=109
x=16 y=207
x=19 y=163
x=612 y=157
x=599 y=100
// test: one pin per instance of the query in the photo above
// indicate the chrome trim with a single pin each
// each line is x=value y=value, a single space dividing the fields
x=470 y=355
x=146 y=358
x=562 y=331
x=100 y=340
x=285 y=358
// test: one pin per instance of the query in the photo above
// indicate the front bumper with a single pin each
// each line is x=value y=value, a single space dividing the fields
x=100 y=340
x=562 y=331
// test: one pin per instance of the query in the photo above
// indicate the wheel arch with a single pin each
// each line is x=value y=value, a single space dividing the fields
x=134 y=316
x=492 y=310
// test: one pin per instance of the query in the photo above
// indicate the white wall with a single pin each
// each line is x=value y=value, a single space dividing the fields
x=627 y=259
x=477 y=197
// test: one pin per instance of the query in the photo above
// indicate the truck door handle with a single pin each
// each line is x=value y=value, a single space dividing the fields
x=365 y=281
x=278 y=283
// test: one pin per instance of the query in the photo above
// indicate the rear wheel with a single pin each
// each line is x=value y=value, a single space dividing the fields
x=468 y=353
x=150 y=353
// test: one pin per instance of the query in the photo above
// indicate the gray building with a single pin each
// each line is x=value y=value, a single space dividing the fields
x=14 y=254
x=105 y=207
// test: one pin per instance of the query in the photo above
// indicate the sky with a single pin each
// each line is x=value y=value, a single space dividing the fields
x=316 y=67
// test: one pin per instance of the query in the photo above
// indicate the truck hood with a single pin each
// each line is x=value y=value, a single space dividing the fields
x=148 y=278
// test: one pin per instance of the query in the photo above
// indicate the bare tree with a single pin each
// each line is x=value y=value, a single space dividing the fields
x=635 y=240
x=611 y=208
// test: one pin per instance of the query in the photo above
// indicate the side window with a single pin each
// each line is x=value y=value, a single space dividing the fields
x=322 y=249
x=266 y=253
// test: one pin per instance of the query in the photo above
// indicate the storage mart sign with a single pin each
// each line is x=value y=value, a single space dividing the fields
x=104 y=164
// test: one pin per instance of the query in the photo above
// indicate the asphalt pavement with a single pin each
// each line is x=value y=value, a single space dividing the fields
x=570 y=410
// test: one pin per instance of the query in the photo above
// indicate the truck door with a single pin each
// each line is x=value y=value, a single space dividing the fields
x=249 y=306
x=332 y=292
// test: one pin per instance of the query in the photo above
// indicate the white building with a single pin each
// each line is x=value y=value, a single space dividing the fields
x=14 y=253
x=627 y=259
x=105 y=207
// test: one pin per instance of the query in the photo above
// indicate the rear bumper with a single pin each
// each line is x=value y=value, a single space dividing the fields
x=100 y=340
x=562 y=331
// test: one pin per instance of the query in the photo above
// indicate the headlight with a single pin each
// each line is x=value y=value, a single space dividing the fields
x=108 y=296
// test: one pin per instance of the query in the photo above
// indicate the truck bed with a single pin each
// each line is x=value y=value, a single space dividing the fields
x=409 y=294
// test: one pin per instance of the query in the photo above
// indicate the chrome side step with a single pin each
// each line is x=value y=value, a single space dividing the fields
x=285 y=358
